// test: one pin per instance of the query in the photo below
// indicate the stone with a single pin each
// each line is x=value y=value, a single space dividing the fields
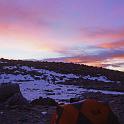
x=44 y=101
x=7 y=90
x=10 y=95
x=16 y=99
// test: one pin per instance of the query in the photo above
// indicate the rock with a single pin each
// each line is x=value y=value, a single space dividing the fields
x=74 y=100
x=44 y=101
x=16 y=99
x=7 y=90
x=10 y=94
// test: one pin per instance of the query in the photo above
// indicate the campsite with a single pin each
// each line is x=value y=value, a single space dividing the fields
x=61 y=61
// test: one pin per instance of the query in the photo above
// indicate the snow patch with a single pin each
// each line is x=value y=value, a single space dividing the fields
x=100 y=78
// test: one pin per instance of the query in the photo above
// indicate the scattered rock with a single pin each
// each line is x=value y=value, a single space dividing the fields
x=44 y=101
x=74 y=100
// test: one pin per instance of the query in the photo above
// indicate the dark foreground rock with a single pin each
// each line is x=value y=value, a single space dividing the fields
x=7 y=90
x=10 y=94
x=26 y=115
x=16 y=99
x=44 y=101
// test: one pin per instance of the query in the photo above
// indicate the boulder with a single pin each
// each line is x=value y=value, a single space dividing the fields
x=7 y=90
x=10 y=94
x=16 y=99
x=74 y=100
x=44 y=101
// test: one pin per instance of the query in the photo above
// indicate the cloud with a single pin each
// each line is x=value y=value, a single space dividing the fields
x=67 y=31
x=114 y=65
x=112 y=45
x=101 y=59
x=108 y=34
x=29 y=12
x=101 y=35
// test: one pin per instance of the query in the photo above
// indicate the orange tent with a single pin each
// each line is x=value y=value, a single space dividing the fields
x=84 y=112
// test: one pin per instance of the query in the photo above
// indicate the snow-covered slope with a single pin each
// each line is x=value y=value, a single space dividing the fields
x=40 y=82
x=25 y=73
x=34 y=89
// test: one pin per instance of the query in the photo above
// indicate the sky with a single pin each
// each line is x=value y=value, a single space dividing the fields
x=81 y=31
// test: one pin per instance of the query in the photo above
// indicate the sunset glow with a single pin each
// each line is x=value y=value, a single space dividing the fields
x=80 y=31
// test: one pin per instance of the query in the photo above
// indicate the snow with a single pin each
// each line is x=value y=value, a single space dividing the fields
x=2 y=62
x=46 y=87
x=34 y=89
x=26 y=68
x=43 y=113
x=10 y=67
x=51 y=74
x=48 y=73
x=100 y=78
x=11 y=77
x=106 y=92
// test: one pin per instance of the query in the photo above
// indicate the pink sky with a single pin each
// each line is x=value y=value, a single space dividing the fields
x=80 y=31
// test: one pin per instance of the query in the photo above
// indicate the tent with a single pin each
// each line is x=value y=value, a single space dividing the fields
x=84 y=112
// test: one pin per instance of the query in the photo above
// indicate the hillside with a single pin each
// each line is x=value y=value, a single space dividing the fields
x=67 y=68
x=59 y=81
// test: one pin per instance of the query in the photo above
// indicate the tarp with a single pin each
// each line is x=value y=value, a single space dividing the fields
x=84 y=112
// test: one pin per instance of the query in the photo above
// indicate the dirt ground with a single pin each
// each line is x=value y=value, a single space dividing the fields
x=42 y=114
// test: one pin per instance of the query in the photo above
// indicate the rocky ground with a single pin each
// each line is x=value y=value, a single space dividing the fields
x=26 y=115
x=93 y=84
x=40 y=114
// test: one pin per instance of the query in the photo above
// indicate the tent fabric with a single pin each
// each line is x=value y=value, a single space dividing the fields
x=84 y=112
